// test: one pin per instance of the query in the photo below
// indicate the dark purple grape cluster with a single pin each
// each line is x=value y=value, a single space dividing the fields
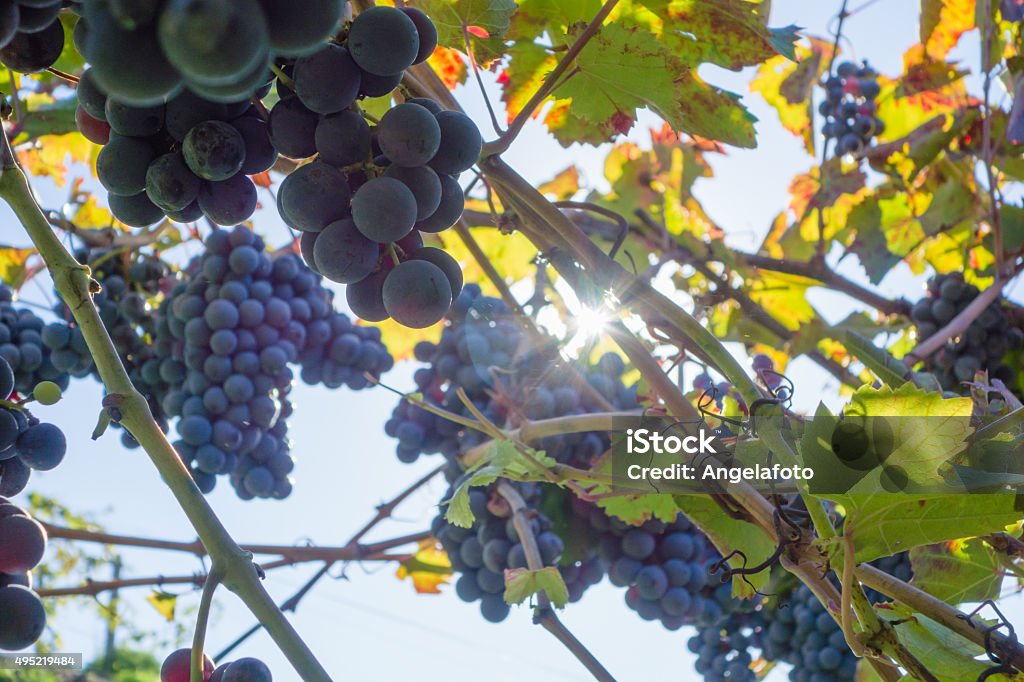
x=31 y=34
x=982 y=347
x=22 y=544
x=484 y=352
x=226 y=340
x=363 y=203
x=725 y=650
x=849 y=108
x=480 y=555
x=184 y=159
x=22 y=346
x=143 y=53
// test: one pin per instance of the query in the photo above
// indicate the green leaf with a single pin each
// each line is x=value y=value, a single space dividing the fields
x=882 y=364
x=635 y=509
x=957 y=572
x=951 y=204
x=528 y=66
x=522 y=583
x=728 y=534
x=943 y=652
x=624 y=69
x=486 y=21
x=501 y=459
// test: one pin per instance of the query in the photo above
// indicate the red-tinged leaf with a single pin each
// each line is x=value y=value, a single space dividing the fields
x=921 y=74
x=528 y=65
x=808 y=191
x=624 y=69
x=942 y=24
x=262 y=179
x=12 y=265
x=449 y=65
x=478 y=31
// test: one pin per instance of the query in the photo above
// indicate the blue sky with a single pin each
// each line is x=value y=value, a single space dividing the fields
x=368 y=625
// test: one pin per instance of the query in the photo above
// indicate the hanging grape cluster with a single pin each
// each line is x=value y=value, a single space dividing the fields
x=982 y=347
x=849 y=108
x=31 y=34
x=22 y=544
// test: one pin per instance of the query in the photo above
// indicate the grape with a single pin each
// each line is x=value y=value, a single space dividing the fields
x=177 y=666
x=6 y=379
x=230 y=201
x=14 y=475
x=9 y=19
x=214 y=150
x=260 y=154
x=133 y=13
x=90 y=96
x=136 y=210
x=93 y=129
x=409 y=135
x=327 y=81
x=446 y=263
x=293 y=129
x=24 y=617
x=124 y=62
x=314 y=196
x=34 y=52
x=295 y=33
x=210 y=42
x=189 y=214
x=378 y=86
x=460 y=143
x=122 y=163
x=307 y=246
x=383 y=41
x=33 y=19
x=46 y=393
x=343 y=139
x=344 y=255
x=426 y=31
x=417 y=294
x=170 y=183
x=23 y=542
x=366 y=297
x=384 y=209
x=448 y=211
x=424 y=185
x=125 y=119
x=430 y=105
x=257 y=78
x=188 y=110
x=638 y=544
x=247 y=670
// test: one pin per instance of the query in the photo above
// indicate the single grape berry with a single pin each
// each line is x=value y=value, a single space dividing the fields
x=46 y=393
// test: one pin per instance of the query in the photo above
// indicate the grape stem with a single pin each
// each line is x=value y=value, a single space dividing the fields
x=108 y=237
x=202 y=620
x=549 y=85
x=987 y=31
x=544 y=614
x=74 y=284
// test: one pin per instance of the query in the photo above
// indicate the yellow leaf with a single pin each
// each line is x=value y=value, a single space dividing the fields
x=51 y=154
x=563 y=186
x=512 y=255
x=401 y=340
x=90 y=215
x=164 y=603
x=429 y=568
x=12 y=264
x=784 y=297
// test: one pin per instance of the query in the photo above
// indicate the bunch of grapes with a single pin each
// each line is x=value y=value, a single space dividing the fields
x=21 y=346
x=981 y=347
x=482 y=553
x=664 y=566
x=725 y=650
x=26 y=444
x=716 y=393
x=363 y=202
x=849 y=108
x=242 y=670
x=31 y=34
x=232 y=331
x=187 y=158
x=483 y=352
x=22 y=544
x=143 y=53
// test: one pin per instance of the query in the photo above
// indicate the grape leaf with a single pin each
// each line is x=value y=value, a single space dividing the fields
x=784 y=297
x=164 y=603
x=522 y=583
x=728 y=534
x=788 y=87
x=951 y=203
x=624 y=69
x=727 y=33
x=449 y=65
x=513 y=255
x=485 y=21
x=870 y=244
x=12 y=265
x=958 y=571
x=939 y=649
x=563 y=186
x=528 y=65
x=942 y=24
x=400 y=340
x=428 y=568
